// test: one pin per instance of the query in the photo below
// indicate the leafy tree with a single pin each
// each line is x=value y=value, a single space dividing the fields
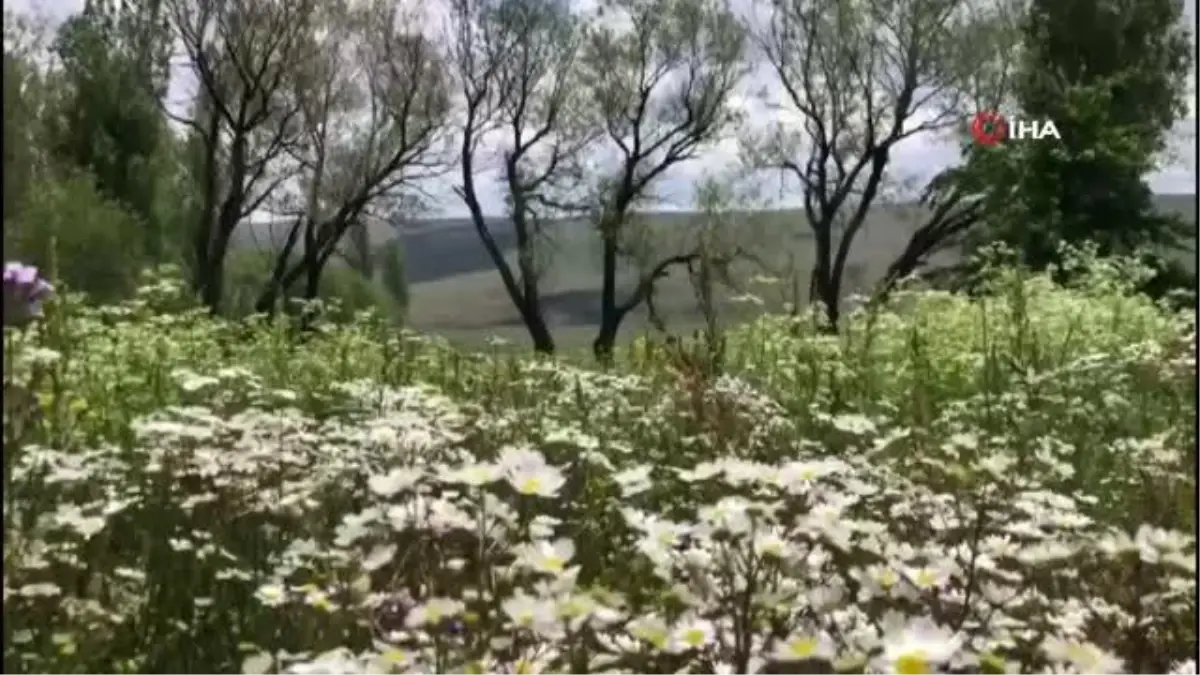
x=1112 y=76
x=518 y=69
x=371 y=107
x=86 y=146
x=109 y=121
x=21 y=119
x=855 y=80
x=246 y=56
x=27 y=84
x=662 y=74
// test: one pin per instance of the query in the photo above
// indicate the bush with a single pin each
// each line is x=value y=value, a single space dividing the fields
x=344 y=290
x=1000 y=484
x=391 y=272
x=97 y=243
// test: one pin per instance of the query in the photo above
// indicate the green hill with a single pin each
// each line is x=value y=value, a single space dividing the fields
x=455 y=291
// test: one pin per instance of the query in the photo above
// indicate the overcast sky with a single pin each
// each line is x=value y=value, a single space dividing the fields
x=916 y=158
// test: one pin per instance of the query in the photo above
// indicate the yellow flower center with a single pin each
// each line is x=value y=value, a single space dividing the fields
x=320 y=602
x=530 y=486
x=394 y=656
x=655 y=636
x=913 y=663
x=693 y=637
x=802 y=648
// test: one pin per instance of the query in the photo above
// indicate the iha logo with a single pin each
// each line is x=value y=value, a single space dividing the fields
x=992 y=128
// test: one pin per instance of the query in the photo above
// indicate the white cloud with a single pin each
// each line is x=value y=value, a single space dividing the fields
x=915 y=158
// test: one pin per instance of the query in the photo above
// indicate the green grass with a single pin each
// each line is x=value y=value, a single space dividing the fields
x=1004 y=483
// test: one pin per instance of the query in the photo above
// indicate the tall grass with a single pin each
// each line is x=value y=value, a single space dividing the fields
x=993 y=484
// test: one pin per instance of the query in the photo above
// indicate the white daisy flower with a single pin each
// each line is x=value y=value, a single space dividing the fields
x=1085 y=657
x=918 y=647
x=528 y=473
x=545 y=556
x=691 y=634
x=804 y=645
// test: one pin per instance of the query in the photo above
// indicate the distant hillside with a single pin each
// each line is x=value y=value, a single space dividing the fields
x=455 y=291
x=446 y=247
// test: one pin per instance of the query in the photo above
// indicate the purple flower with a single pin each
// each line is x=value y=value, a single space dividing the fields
x=24 y=292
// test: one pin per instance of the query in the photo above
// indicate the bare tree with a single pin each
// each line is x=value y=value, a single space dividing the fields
x=243 y=54
x=955 y=203
x=661 y=73
x=374 y=108
x=717 y=250
x=518 y=68
x=960 y=197
x=860 y=77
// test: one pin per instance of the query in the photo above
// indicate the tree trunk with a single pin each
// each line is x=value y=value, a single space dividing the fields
x=539 y=332
x=606 y=338
x=610 y=316
x=823 y=290
x=213 y=291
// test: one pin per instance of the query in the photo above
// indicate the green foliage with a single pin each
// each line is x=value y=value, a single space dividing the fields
x=353 y=293
x=343 y=288
x=90 y=235
x=1170 y=280
x=88 y=157
x=21 y=118
x=246 y=271
x=193 y=497
x=389 y=264
x=1112 y=77
x=109 y=121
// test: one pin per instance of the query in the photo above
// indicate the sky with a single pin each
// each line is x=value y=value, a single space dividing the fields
x=914 y=160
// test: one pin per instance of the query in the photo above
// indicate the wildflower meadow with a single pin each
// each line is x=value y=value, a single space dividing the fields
x=998 y=483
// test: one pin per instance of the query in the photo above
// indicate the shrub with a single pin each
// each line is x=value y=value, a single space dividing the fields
x=97 y=244
x=983 y=485
x=344 y=290
x=391 y=272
